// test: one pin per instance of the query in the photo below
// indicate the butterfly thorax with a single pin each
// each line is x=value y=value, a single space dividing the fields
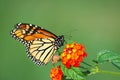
x=59 y=41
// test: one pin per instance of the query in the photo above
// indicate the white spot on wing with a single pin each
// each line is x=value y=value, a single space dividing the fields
x=30 y=24
x=19 y=24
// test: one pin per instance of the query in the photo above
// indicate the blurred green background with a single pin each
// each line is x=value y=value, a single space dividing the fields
x=94 y=23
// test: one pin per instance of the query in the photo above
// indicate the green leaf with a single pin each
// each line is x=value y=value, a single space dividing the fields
x=109 y=56
x=106 y=55
x=74 y=73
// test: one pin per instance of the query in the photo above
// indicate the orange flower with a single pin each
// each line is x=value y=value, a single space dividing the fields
x=73 y=54
x=56 y=73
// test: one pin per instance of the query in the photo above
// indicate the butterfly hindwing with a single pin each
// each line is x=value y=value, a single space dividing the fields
x=41 y=50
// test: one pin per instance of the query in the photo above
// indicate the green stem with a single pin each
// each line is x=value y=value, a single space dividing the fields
x=109 y=72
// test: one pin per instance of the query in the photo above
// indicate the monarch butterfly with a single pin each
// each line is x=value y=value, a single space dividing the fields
x=40 y=44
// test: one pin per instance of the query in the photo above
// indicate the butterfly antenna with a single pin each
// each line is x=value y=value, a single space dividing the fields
x=68 y=34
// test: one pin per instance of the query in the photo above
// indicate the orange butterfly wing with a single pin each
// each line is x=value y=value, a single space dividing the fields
x=29 y=32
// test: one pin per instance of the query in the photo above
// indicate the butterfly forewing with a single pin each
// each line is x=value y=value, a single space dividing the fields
x=27 y=32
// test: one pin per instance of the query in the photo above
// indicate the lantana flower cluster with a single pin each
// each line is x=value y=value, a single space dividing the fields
x=73 y=54
x=56 y=73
